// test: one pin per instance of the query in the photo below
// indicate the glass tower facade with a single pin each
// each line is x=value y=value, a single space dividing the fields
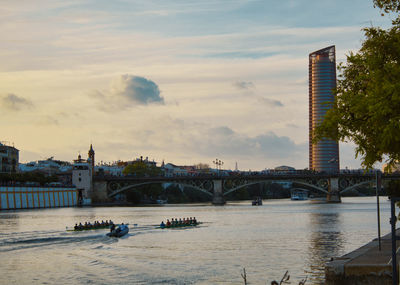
x=324 y=155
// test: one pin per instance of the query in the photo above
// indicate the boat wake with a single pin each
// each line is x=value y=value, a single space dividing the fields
x=24 y=240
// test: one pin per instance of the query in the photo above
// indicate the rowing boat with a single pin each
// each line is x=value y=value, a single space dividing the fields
x=72 y=229
x=179 y=226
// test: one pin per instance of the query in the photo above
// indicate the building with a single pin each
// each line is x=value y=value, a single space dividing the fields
x=9 y=158
x=324 y=155
x=82 y=176
x=285 y=169
x=170 y=170
x=48 y=167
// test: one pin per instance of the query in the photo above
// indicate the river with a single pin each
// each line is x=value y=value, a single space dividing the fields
x=267 y=240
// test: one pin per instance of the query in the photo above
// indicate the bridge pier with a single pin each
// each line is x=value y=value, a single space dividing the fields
x=333 y=191
x=99 y=193
x=218 y=198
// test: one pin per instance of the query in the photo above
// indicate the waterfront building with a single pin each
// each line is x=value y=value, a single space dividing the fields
x=150 y=163
x=32 y=195
x=9 y=158
x=82 y=176
x=284 y=169
x=324 y=155
x=48 y=167
x=170 y=170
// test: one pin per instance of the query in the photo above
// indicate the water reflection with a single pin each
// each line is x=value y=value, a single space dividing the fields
x=326 y=241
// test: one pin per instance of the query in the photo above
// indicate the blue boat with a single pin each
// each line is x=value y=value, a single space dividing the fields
x=119 y=231
x=298 y=194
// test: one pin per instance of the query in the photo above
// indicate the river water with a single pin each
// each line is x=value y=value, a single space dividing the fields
x=299 y=236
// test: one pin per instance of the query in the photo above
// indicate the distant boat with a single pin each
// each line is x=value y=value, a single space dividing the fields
x=297 y=194
x=162 y=202
x=257 y=201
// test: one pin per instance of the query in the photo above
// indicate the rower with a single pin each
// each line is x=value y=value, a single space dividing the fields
x=112 y=228
x=76 y=226
x=168 y=223
x=162 y=225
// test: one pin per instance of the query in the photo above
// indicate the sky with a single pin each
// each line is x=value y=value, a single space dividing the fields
x=182 y=81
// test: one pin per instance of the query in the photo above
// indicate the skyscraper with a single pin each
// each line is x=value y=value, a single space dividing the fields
x=324 y=155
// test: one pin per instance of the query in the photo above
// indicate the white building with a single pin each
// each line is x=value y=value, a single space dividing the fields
x=48 y=166
x=173 y=170
x=82 y=177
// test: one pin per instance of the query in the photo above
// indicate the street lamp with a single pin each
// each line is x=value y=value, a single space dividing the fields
x=218 y=163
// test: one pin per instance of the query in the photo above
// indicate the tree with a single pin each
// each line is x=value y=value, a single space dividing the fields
x=202 y=167
x=367 y=106
x=141 y=169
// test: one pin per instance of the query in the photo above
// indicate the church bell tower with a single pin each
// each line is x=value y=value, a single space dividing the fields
x=91 y=156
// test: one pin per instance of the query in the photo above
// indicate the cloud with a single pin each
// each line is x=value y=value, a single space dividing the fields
x=270 y=102
x=137 y=89
x=243 y=85
x=225 y=141
x=13 y=102
x=127 y=91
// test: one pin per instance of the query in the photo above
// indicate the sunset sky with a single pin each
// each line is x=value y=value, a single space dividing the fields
x=181 y=81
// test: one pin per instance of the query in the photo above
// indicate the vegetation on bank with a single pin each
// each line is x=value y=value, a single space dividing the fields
x=285 y=279
x=24 y=177
x=367 y=106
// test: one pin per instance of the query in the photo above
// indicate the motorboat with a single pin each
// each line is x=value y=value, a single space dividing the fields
x=119 y=231
x=297 y=194
x=257 y=201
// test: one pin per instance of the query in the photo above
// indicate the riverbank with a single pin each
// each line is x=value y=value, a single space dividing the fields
x=365 y=265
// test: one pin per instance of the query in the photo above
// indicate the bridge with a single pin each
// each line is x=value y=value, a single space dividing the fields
x=218 y=187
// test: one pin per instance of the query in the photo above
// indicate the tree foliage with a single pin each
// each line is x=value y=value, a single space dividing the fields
x=388 y=5
x=367 y=107
x=35 y=176
x=203 y=167
x=141 y=169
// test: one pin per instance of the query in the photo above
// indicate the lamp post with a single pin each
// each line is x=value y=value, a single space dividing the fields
x=377 y=190
x=218 y=163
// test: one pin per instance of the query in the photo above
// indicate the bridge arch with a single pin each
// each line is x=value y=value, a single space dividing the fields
x=262 y=181
x=128 y=187
x=356 y=185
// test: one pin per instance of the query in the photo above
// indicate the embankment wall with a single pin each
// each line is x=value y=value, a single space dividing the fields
x=12 y=198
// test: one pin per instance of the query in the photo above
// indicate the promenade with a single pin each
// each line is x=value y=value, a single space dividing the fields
x=365 y=265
